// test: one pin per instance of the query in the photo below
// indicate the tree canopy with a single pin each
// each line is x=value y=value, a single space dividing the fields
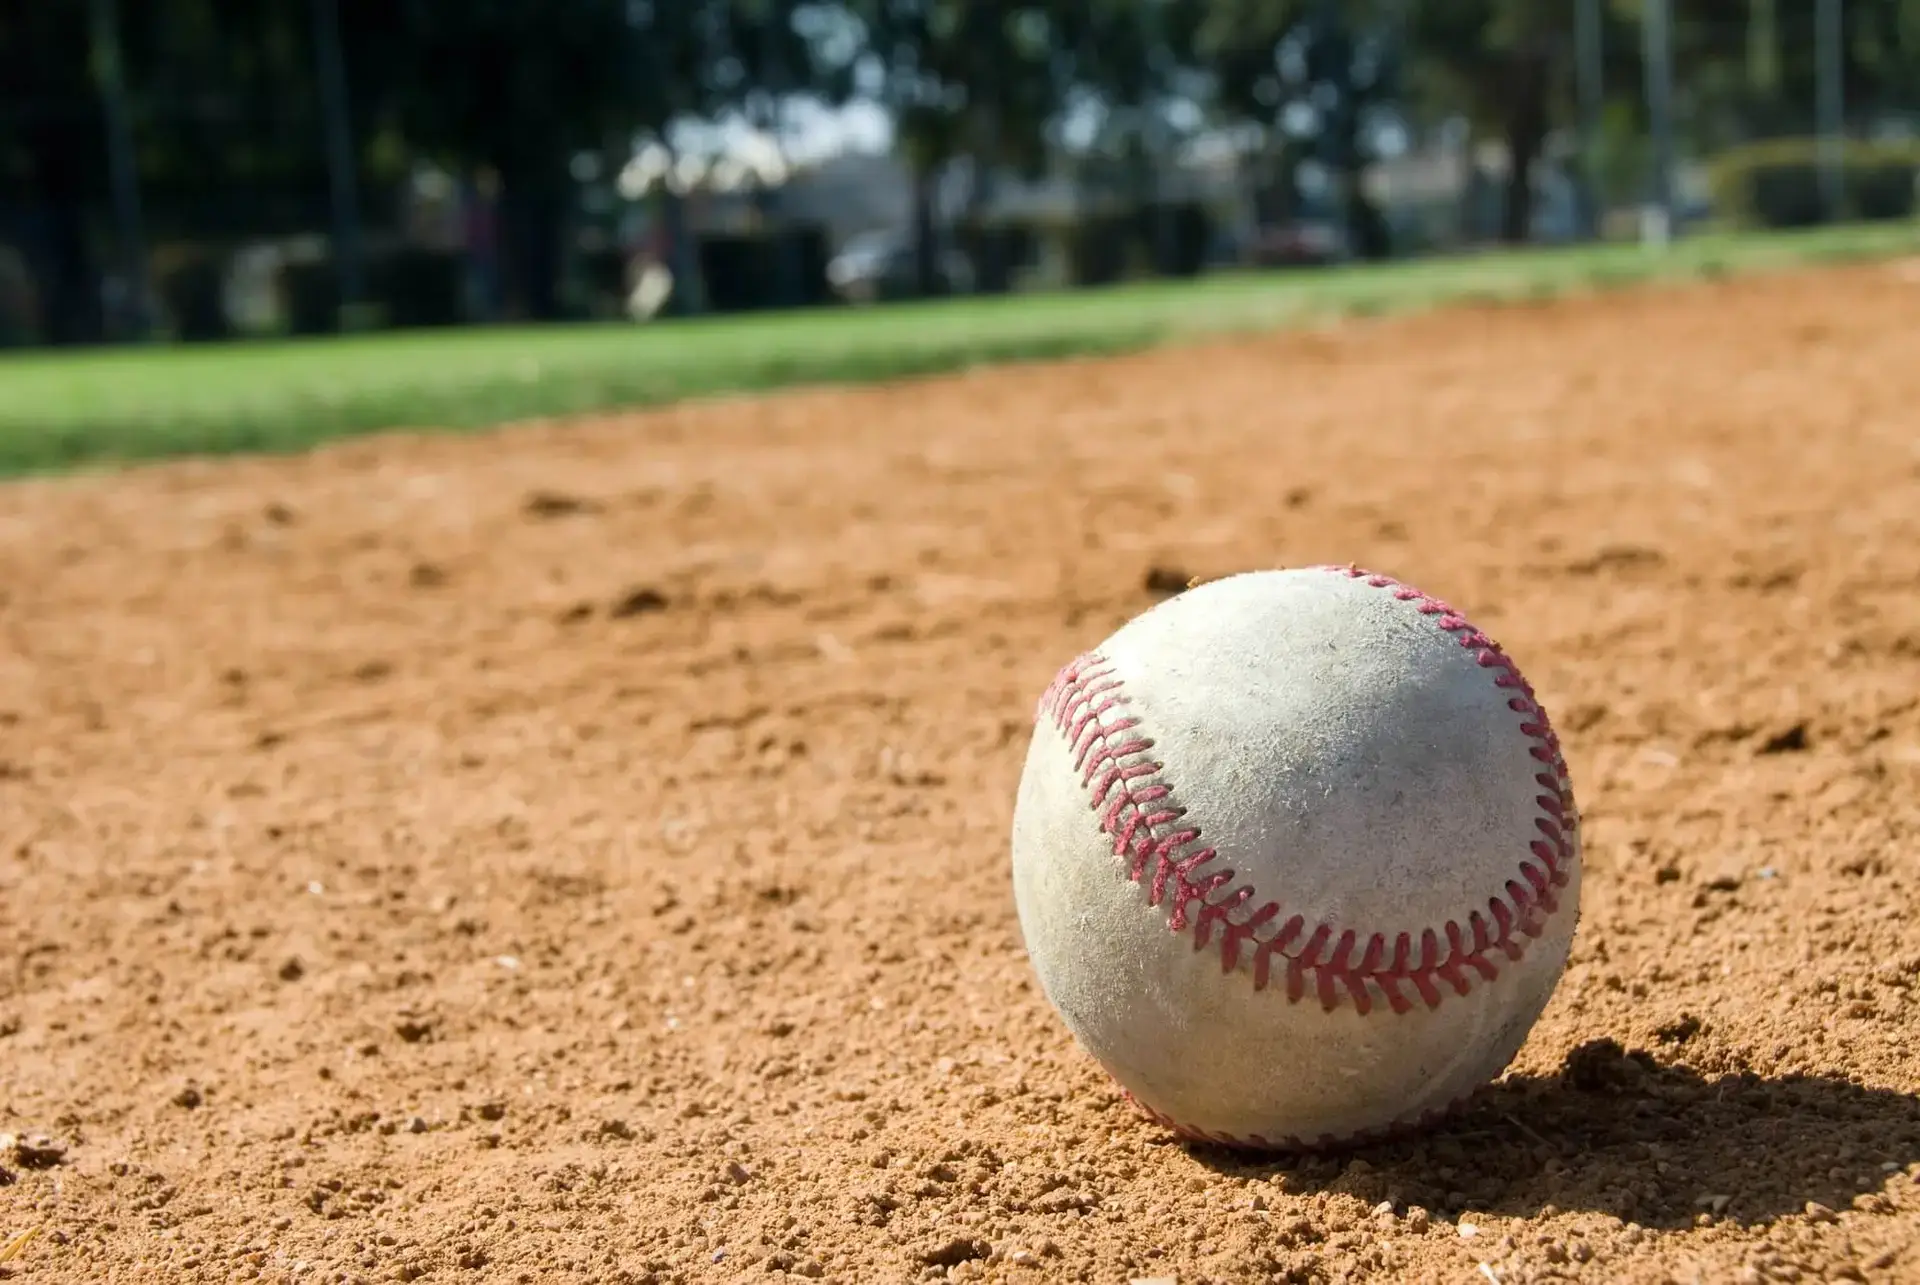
x=226 y=103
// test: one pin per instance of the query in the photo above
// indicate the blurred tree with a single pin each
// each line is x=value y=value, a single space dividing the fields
x=781 y=53
x=1314 y=78
x=704 y=59
x=1505 y=64
x=228 y=98
x=52 y=160
x=1135 y=60
x=960 y=77
x=519 y=87
x=1749 y=66
x=524 y=87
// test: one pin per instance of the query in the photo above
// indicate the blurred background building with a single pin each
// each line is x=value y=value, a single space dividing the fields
x=200 y=169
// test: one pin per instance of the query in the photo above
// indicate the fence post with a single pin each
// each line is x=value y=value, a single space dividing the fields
x=1587 y=76
x=1656 y=51
x=110 y=77
x=1830 y=106
x=340 y=158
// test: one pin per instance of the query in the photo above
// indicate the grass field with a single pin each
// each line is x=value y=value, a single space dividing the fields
x=61 y=410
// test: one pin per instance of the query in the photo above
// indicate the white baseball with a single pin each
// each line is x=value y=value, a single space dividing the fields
x=1296 y=857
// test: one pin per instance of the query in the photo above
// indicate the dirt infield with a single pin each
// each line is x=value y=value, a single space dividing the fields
x=580 y=853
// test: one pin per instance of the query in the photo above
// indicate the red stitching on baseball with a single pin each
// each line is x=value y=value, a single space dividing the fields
x=1164 y=850
x=1165 y=853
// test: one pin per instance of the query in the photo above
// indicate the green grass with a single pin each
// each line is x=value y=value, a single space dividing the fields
x=61 y=410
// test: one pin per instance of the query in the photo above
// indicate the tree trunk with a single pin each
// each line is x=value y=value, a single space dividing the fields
x=1368 y=232
x=533 y=209
x=683 y=256
x=1526 y=135
x=1763 y=48
x=66 y=279
x=927 y=276
x=57 y=249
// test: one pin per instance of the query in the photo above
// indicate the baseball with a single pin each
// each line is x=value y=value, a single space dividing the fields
x=1296 y=857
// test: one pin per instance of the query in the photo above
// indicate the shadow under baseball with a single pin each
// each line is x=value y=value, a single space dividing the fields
x=1619 y=1133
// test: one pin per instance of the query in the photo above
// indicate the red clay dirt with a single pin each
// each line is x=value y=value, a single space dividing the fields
x=579 y=853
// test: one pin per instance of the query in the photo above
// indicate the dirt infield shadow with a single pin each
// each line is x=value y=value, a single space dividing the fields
x=1619 y=1133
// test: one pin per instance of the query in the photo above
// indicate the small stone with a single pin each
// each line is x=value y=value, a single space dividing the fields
x=33 y=1150
x=417 y=1124
x=737 y=1173
x=1384 y=1210
x=1417 y=1220
x=638 y=602
x=1820 y=1213
x=1725 y=876
x=1165 y=581
x=959 y=1249
x=1024 y=1258
x=1467 y=1230
x=556 y=504
x=1714 y=1204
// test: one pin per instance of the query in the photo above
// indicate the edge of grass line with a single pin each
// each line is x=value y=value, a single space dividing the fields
x=64 y=410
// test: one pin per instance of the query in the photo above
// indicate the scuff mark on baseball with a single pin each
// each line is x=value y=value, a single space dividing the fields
x=1296 y=857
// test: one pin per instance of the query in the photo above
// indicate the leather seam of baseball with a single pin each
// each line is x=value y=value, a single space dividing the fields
x=1166 y=855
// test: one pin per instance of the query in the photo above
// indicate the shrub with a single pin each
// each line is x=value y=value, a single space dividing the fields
x=1188 y=236
x=310 y=292
x=192 y=290
x=603 y=281
x=1100 y=249
x=418 y=286
x=1776 y=183
x=998 y=250
x=743 y=272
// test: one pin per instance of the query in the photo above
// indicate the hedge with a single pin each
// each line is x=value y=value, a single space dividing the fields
x=190 y=286
x=745 y=272
x=1776 y=183
x=1110 y=247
